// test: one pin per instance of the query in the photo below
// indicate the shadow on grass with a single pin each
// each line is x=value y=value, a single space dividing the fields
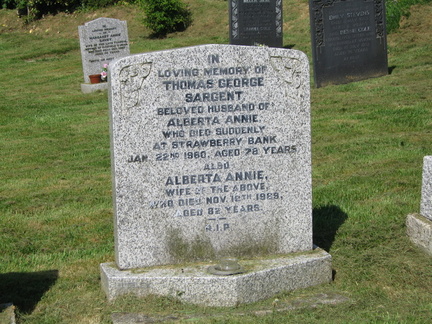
x=326 y=222
x=25 y=290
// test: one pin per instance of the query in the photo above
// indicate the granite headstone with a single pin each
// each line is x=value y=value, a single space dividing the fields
x=101 y=41
x=256 y=22
x=211 y=158
x=211 y=153
x=419 y=226
x=349 y=41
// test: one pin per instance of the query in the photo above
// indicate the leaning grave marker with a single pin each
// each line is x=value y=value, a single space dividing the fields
x=211 y=157
x=256 y=22
x=101 y=41
x=349 y=41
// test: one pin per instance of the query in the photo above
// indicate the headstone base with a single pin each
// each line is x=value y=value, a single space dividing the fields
x=263 y=279
x=419 y=230
x=93 y=87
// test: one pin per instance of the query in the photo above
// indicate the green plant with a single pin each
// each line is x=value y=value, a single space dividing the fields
x=104 y=73
x=94 y=4
x=7 y=4
x=35 y=9
x=165 y=16
x=396 y=9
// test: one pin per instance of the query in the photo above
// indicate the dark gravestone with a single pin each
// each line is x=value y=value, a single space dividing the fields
x=256 y=22
x=348 y=40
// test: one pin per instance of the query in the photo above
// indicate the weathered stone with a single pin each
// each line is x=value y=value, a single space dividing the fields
x=211 y=159
x=419 y=230
x=193 y=284
x=210 y=154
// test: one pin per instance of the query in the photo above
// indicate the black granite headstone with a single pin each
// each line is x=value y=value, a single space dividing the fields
x=256 y=22
x=349 y=40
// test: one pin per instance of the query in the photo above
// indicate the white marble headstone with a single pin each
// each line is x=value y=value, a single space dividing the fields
x=426 y=196
x=211 y=154
x=101 y=41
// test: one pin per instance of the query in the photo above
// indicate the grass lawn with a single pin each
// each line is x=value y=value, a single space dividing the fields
x=368 y=142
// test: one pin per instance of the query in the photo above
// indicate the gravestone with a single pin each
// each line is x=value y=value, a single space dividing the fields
x=101 y=41
x=419 y=227
x=349 y=41
x=256 y=22
x=211 y=158
x=426 y=196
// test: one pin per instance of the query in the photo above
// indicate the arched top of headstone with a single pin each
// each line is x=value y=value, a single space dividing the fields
x=103 y=20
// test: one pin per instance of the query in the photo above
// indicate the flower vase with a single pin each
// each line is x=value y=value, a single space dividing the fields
x=95 y=78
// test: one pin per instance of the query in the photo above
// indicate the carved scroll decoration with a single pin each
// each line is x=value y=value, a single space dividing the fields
x=380 y=19
x=131 y=80
x=234 y=19
x=278 y=18
x=290 y=69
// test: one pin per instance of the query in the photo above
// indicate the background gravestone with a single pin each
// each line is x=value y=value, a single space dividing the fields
x=349 y=41
x=256 y=22
x=419 y=226
x=102 y=40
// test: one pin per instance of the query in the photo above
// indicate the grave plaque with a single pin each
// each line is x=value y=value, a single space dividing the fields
x=256 y=22
x=348 y=40
x=211 y=154
x=101 y=41
x=426 y=196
